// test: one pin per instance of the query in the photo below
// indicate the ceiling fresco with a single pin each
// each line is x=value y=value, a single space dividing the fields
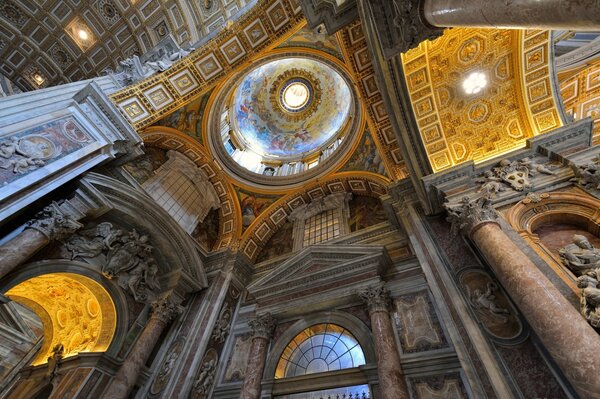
x=267 y=99
x=366 y=157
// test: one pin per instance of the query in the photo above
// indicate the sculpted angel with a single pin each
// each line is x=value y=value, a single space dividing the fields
x=590 y=298
x=581 y=256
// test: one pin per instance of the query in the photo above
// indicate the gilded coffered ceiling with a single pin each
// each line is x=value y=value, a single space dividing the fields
x=518 y=102
x=580 y=90
x=45 y=43
x=76 y=312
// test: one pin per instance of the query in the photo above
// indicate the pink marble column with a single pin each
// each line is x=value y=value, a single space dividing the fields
x=262 y=327
x=546 y=14
x=50 y=224
x=567 y=336
x=163 y=311
x=391 y=380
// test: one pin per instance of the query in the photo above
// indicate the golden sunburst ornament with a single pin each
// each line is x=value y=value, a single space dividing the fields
x=295 y=94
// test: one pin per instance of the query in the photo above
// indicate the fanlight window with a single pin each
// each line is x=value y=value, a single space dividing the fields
x=320 y=348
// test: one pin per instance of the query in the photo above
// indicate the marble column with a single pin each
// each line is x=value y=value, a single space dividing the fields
x=162 y=312
x=391 y=380
x=52 y=223
x=546 y=14
x=262 y=328
x=567 y=336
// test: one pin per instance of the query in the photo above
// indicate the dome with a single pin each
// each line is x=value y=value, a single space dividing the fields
x=288 y=108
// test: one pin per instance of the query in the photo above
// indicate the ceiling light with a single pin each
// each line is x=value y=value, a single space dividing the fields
x=474 y=83
x=38 y=79
x=83 y=35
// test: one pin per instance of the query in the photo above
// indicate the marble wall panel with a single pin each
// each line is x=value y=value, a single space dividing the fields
x=238 y=358
x=417 y=324
x=445 y=386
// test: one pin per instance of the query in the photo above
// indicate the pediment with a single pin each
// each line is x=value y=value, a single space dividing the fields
x=321 y=268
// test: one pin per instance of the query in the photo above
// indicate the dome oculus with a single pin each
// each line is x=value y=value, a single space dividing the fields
x=289 y=108
x=296 y=95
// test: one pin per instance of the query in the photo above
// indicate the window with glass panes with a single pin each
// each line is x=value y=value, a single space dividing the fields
x=322 y=227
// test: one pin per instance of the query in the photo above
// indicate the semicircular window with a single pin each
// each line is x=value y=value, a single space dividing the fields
x=320 y=348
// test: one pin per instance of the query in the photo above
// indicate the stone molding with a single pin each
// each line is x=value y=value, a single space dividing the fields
x=262 y=326
x=54 y=222
x=329 y=13
x=376 y=297
x=468 y=215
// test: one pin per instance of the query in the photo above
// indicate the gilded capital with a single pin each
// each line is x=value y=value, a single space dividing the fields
x=263 y=326
x=467 y=214
x=165 y=309
x=376 y=297
x=54 y=223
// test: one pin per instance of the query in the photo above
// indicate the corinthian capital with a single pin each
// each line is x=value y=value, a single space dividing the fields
x=263 y=326
x=54 y=223
x=165 y=310
x=467 y=214
x=376 y=297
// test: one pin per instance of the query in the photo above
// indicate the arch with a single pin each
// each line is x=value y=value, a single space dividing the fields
x=230 y=226
x=271 y=219
x=575 y=207
x=351 y=323
x=177 y=251
x=79 y=308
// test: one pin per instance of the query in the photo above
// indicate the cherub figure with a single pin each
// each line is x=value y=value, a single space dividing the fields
x=490 y=183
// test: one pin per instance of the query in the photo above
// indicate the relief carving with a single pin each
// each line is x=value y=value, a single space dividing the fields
x=222 y=325
x=588 y=175
x=491 y=305
x=26 y=153
x=484 y=301
x=514 y=174
x=126 y=256
x=167 y=367
x=206 y=377
x=377 y=298
x=263 y=326
x=580 y=257
x=590 y=297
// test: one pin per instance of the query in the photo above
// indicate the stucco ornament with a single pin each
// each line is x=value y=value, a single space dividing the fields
x=468 y=214
x=54 y=223
x=580 y=257
x=588 y=175
x=53 y=359
x=590 y=297
x=122 y=255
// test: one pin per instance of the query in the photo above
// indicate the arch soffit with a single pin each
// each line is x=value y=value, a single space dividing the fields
x=351 y=323
x=269 y=221
x=173 y=243
x=85 y=270
x=230 y=226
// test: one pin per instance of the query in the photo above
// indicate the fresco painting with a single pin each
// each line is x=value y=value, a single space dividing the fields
x=268 y=131
x=280 y=243
x=187 y=119
x=366 y=157
x=207 y=232
x=252 y=205
x=365 y=212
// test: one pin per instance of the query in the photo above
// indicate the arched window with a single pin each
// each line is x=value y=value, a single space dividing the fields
x=320 y=348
